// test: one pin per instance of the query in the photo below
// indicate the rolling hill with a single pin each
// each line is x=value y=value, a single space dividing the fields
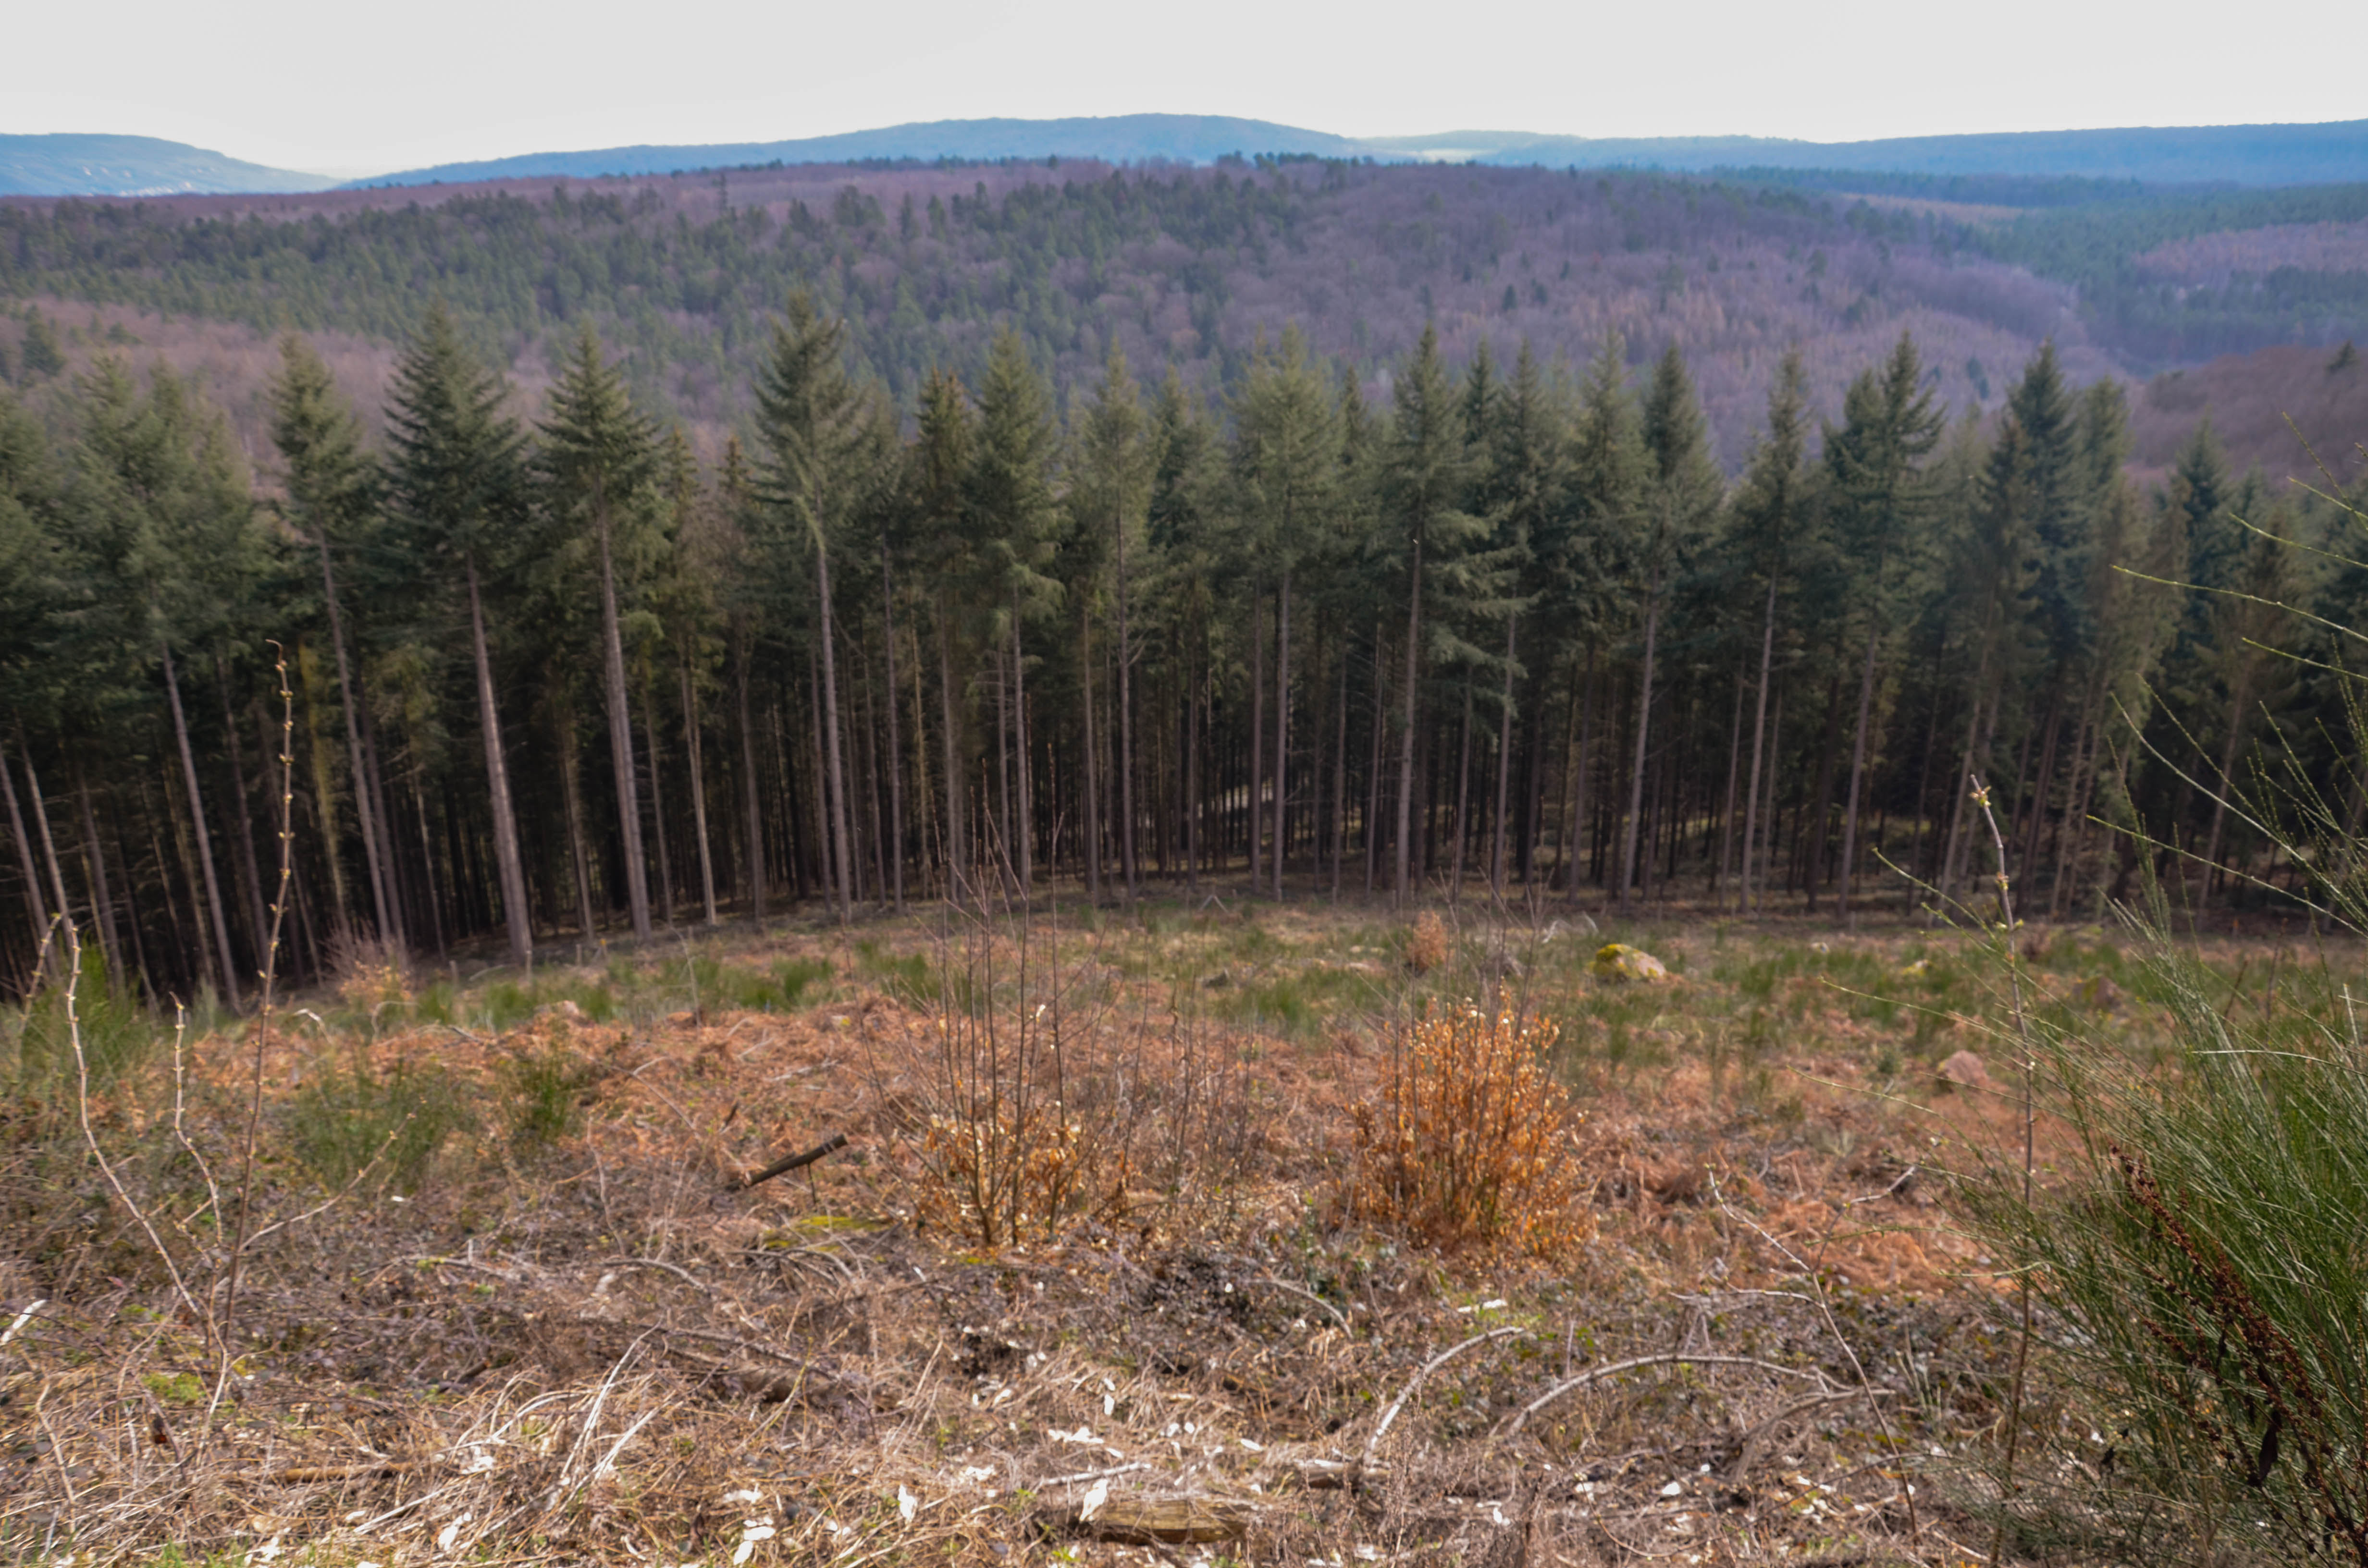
x=67 y=163
x=1191 y=268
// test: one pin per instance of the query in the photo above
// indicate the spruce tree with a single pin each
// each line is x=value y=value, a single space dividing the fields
x=1286 y=463
x=1110 y=492
x=1424 y=475
x=1873 y=475
x=1680 y=496
x=598 y=462
x=456 y=475
x=1013 y=511
x=332 y=502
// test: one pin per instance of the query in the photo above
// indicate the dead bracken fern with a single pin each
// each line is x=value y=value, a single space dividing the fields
x=1472 y=1142
x=1426 y=947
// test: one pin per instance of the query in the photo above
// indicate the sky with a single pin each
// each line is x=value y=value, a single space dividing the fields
x=350 y=90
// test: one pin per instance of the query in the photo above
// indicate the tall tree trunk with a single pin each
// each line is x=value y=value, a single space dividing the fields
x=242 y=817
x=1255 y=814
x=133 y=919
x=2240 y=698
x=1373 y=817
x=1126 y=849
x=231 y=987
x=1644 y=738
x=206 y=961
x=1281 y=725
x=620 y=732
x=1746 y=901
x=390 y=859
x=752 y=800
x=1857 y=772
x=95 y=861
x=1580 y=772
x=895 y=740
x=1194 y=724
x=657 y=799
x=1727 y=816
x=1463 y=803
x=1340 y=773
x=1019 y=740
x=691 y=745
x=571 y=798
x=841 y=849
x=341 y=913
x=1815 y=871
x=427 y=865
x=1093 y=774
x=26 y=867
x=506 y=858
x=1002 y=833
x=1405 y=747
x=1504 y=770
x=364 y=805
x=957 y=871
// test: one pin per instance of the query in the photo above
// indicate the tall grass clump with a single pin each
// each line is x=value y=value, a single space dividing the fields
x=119 y=1036
x=1473 y=1140
x=2200 y=1268
x=2201 y=1278
x=387 y=1125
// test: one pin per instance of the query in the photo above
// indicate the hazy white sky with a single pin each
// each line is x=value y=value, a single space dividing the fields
x=348 y=89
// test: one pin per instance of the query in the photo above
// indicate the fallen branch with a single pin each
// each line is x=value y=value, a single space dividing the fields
x=1514 y=1426
x=789 y=1163
x=1085 y=1475
x=1413 y=1385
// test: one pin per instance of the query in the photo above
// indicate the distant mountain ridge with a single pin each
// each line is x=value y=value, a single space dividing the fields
x=2235 y=154
x=1119 y=139
x=71 y=164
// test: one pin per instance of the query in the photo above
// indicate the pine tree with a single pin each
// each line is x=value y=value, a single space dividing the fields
x=1012 y=512
x=938 y=473
x=1773 y=514
x=1286 y=463
x=1423 y=483
x=164 y=520
x=1889 y=428
x=1110 y=494
x=332 y=500
x=457 y=480
x=598 y=461
x=1681 y=495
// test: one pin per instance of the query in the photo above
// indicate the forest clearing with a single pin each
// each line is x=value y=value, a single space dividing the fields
x=1104 y=1271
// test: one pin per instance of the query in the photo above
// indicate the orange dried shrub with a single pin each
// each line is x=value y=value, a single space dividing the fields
x=1473 y=1141
x=1000 y=1176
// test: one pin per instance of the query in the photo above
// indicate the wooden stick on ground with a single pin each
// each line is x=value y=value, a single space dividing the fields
x=789 y=1163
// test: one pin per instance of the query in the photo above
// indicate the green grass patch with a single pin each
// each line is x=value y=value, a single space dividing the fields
x=391 y=1123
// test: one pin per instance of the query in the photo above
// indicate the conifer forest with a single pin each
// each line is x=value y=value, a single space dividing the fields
x=877 y=595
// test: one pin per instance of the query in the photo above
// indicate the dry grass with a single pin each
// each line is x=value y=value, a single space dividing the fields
x=591 y=1350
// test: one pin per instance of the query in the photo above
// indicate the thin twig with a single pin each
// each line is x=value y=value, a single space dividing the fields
x=1413 y=1385
x=1674 y=1359
x=1337 y=1315
x=2030 y=1074
x=226 y=1356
